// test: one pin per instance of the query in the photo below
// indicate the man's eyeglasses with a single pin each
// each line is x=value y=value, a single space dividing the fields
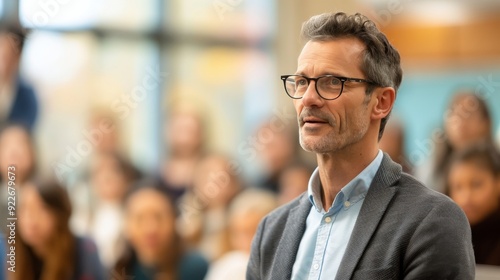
x=328 y=87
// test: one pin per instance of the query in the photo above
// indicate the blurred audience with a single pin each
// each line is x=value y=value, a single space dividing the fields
x=101 y=217
x=277 y=147
x=474 y=184
x=45 y=247
x=293 y=181
x=467 y=121
x=245 y=213
x=393 y=143
x=154 y=249
x=184 y=137
x=16 y=150
x=102 y=131
x=18 y=102
x=204 y=208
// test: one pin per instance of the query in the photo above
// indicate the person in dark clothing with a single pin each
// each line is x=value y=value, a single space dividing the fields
x=18 y=101
x=474 y=184
x=154 y=249
x=45 y=247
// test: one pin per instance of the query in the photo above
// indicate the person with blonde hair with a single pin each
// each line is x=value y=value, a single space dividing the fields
x=245 y=213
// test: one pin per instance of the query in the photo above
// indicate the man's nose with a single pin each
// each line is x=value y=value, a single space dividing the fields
x=311 y=96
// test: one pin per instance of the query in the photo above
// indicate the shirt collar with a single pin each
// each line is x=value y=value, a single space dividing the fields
x=354 y=191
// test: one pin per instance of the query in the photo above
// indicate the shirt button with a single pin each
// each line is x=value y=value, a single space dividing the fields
x=328 y=220
x=347 y=204
x=316 y=266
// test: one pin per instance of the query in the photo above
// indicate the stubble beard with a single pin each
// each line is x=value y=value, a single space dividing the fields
x=335 y=140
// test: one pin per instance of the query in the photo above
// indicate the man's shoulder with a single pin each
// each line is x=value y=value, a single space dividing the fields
x=411 y=188
x=419 y=200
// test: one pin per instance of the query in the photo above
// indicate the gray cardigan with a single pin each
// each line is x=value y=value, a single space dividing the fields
x=404 y=231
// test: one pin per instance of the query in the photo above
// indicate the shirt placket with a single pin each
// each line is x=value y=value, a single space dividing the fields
x=322 y=240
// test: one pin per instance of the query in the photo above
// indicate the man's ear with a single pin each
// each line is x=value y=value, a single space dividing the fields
x=384 y=101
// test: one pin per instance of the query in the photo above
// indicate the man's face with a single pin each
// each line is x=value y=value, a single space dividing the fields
x=331 y=125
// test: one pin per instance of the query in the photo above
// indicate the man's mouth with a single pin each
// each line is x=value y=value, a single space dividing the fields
x=313 y=121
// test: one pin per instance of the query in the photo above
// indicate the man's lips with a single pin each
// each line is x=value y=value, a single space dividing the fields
x=313 y=121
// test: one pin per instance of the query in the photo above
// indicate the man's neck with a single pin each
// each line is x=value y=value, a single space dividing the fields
x=337 y=169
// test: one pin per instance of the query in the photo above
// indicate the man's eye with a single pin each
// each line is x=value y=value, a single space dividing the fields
x=301 y=82
x=335 y=82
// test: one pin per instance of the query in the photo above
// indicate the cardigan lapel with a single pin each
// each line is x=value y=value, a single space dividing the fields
x=376 y=201
x=290 y=240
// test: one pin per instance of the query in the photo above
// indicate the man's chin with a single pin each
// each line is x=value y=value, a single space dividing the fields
x=313 y=146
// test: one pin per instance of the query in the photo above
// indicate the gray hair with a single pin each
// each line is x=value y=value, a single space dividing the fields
x=381 y=62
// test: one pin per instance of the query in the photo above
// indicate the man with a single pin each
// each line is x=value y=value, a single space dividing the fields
x=362 y=217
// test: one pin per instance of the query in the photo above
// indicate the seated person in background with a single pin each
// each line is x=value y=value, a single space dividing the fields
x=276 y=148
x=467 y=121
x=154 y=249
x=393 y=143
x=45 y=247
x=16 y=151
x=18 y=102
x=102 y=216
x=245 y=213
x=17 y=148
x=202 y=222
x=185 y=141
x=293 y=181
x=474 y=184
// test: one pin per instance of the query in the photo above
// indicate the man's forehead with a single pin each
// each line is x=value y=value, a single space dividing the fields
x=346 y=46
x=339 y=54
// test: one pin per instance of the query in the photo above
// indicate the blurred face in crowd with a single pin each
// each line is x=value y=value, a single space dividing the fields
x=16 y=149
x=475 y=189
x=466 y=122
x=292 y=183
x=184 y=133
x=149 y=225
x=108 y=180
x=392 y=142
x=242 y=228
x=215 y=181
x=108 y=133
x=9 y=55
x=278 y=148
x=37 y=222
x=332 y=125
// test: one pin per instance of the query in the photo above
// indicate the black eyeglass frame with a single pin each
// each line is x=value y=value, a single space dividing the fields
x=342 y=80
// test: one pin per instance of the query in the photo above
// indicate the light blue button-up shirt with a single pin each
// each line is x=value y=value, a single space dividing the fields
x=327 y=233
